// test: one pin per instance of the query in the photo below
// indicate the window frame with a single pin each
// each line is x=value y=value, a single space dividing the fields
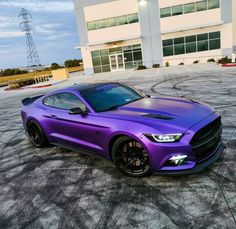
x=65 y=92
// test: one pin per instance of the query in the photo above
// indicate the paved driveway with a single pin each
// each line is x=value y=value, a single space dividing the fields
x=57 y=188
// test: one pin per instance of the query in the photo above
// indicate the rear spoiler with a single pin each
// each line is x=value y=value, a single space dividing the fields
x=29 y=100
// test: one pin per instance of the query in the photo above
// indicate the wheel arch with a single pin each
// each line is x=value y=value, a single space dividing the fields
x=118 y=135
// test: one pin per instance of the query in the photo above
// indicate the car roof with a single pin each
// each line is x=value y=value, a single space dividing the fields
x=88 y=86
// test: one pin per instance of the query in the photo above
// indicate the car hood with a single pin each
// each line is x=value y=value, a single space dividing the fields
x=167 y=114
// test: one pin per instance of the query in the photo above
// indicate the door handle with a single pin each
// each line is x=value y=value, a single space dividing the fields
x=53 y=116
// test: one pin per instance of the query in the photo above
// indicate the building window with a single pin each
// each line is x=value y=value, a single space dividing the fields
x=190 y=44
x=213 y=4
x=165 y=12
x=92 y=25
x=200 y=6
x=132 y=57
x=177 y=10
x=189 y=8
x=114 y=21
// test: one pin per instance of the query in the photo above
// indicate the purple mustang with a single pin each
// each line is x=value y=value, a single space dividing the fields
x=139 y=133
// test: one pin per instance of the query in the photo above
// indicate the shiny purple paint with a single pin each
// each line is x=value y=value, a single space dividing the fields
x=96 y=132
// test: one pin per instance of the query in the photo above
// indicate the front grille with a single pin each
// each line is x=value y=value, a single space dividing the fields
x=205 y=141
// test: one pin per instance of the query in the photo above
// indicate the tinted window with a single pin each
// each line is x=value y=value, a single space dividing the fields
x=166 y=12
x=110 y=96
x=213 y=4
x=189 y=8
x=133 y=18
x=64 y=101
x=177 y=10
x=200 y=6
x=112 y=22
x=102 y=24
x=92 y=25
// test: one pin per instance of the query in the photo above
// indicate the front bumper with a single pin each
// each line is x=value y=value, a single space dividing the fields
x=198 y=167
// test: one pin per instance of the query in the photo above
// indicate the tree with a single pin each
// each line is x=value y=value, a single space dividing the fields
x=72 y=63
x=55 y=66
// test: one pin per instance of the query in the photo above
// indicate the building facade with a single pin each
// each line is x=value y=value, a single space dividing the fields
x=123 y=34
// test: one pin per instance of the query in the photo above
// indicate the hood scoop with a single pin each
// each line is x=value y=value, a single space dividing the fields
x=156 y=116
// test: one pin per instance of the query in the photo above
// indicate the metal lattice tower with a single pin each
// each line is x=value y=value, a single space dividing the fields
x=32 y=54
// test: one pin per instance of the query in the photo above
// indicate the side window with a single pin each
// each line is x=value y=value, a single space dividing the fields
x=48 y=101
x=65 y=101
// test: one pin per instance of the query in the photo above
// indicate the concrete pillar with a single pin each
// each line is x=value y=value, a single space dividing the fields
x=151 y=32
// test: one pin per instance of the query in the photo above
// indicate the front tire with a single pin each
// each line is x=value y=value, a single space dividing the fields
x=36 y=135
x=130 y=157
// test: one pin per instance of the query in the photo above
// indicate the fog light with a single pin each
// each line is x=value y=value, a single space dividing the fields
x=178 y=160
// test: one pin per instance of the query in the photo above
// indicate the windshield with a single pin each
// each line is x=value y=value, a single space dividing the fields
x=110 y=96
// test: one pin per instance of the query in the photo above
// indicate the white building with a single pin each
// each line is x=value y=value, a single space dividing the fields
x=122 y=34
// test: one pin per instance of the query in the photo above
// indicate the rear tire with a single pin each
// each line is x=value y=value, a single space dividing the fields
x=130 y=157
x=36 y=135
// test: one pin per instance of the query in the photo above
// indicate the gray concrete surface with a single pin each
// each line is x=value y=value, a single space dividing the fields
x=57 y=188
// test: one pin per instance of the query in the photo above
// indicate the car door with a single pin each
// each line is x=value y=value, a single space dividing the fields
x=67 y=129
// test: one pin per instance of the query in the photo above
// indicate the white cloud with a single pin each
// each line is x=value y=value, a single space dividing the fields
x=40 y=6
x=5 y=34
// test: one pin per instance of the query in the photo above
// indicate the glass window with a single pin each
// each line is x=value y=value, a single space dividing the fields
x=105 y=60
x=115 y=50
x=67 y=101
x=137 y=56
x=177 y=10
x=214 y=35
x=189 y=8
x=133 y=18
x=202 y=46
x=202 y=37
x=97 y=69
x=191 y=47
x=111 y=22
x=122 y=20
x=106 y=68
x=129 y=65
x=102 y=24
x=167 y=42
x=168 y=51
x=96 y=61
x=95 y=53
x=136 y=47
x=48 y=101
x=213 y=4
x=200 y=6
x=214 y=44
x=179 y=49
x=166 y=12
x=190 y=38
x=92 y=25
x=128 y=57
x=179 y=40
x=110 y=96
x=127 y=49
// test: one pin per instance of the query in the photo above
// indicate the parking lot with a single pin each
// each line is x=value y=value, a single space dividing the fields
x=57 y=188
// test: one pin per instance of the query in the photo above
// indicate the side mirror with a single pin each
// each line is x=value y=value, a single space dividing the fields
x=77 y=110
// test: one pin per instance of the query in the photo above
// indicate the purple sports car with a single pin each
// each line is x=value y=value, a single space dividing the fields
x=138 y=132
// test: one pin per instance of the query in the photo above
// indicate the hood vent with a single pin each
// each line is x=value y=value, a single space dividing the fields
x=156 y=116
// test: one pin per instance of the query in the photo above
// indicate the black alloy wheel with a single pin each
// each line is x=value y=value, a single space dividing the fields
x=130 y=157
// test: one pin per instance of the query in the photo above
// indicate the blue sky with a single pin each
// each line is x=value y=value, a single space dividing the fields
x=55 y=31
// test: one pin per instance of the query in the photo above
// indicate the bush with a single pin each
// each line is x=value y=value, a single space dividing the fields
x=196 y=62
x=72 y=63
x=21 y=83
x=141 y=67
x=167 y=64
x=12 y=71
x=211 y=60
x=224 y=60
x=182 y=63
x=156 y=65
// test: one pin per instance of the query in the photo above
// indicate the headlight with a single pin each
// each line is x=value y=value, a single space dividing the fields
x=164 y=137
